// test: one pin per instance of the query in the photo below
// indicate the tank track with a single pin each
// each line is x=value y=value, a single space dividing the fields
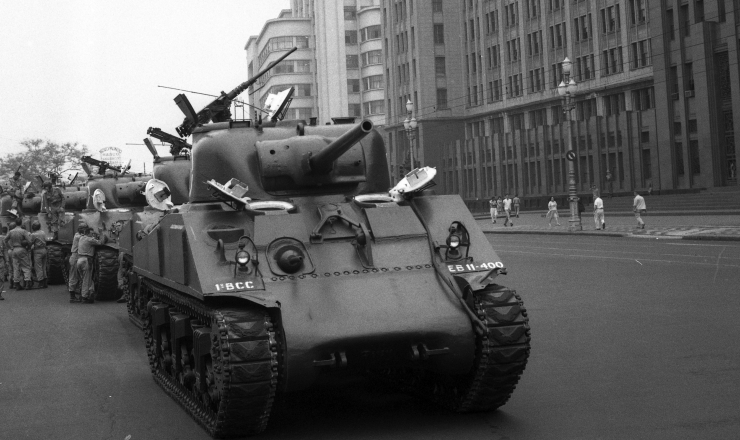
x=241 y=373
x=105 y=275
x=56 y=266
x=500 y=358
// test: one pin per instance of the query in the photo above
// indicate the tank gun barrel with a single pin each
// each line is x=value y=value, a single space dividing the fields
x=322 y=161
x=218 y=109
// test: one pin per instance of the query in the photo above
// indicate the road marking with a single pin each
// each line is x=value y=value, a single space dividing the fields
x=623 y=258
x=714 y=281
x=639 y=263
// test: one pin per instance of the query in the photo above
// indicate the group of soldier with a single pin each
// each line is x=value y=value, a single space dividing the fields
x=81 y=288
x=23 y=252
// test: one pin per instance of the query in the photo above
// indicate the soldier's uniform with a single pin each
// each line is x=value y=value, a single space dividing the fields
x=54 y=203
x=3 y=263
x=85 y=252
x=17 y=240
x=38 y=240
x=74 y=275
x=16 y=191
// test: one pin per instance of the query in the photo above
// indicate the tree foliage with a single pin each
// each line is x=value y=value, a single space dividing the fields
x=41 y=157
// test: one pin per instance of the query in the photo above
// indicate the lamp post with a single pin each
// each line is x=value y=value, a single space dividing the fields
x=566 y=90
x=410 y=125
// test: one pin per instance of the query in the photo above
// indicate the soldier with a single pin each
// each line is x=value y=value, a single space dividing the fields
x=53 y=202
x=16 y=191
x=74 y=275
x=20 y=240
x=9 y=255
x=85 y=253
x=3 y=254
x=38 y=241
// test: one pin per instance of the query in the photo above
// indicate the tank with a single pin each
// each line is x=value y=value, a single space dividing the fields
x=75 y=200
x=122 y=199
x=292 y=262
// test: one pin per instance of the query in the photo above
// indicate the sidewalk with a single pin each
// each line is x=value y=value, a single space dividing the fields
x=687 y=227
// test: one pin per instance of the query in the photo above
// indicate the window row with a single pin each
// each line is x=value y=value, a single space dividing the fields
x=282 y=43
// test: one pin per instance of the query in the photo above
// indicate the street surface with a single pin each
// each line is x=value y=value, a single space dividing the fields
x=631 y=339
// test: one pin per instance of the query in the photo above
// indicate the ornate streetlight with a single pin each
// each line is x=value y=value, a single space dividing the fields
x=566 y=90
x=410 y=125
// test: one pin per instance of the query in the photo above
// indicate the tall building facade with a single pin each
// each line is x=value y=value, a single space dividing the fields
x=651 y=110
x=340 y=64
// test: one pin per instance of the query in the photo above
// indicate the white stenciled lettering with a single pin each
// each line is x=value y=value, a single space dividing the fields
x=249 y=285
x=239 y=285
x=459 y=268
x=229 y=286
x=451 y=268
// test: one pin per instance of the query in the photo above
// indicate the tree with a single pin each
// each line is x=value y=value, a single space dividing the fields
x=42 y=157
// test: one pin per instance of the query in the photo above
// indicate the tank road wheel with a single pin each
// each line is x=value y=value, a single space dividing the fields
x=105 y=274
x=56 y=266
x=500 y=358
x=219 y=364
x=138 y=297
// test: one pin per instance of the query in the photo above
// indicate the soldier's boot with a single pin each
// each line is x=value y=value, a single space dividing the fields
x=44 y=283
x=73 y=297
x=20 y=285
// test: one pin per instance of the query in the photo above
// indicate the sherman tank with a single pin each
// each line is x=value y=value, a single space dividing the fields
x=292 y=261
x=113 y=200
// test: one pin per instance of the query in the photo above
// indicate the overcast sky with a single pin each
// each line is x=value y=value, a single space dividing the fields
x=87 y=71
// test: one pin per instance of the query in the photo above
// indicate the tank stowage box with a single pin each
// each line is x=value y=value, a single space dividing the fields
x=291 y=260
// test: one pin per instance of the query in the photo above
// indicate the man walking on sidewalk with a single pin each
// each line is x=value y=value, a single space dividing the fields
x=599 y=213
x=507 y=210
x=639 y=207
x=516 y=205
x=494 y=211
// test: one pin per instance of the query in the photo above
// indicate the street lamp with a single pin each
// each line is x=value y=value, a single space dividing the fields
x=566 y=90
x=410 y=125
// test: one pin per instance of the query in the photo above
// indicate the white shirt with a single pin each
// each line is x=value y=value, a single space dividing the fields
x=552 y=206
x=639 y=203
x=598 y=203
x=507 y=204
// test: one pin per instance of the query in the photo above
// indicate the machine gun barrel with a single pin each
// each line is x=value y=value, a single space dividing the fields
x=218 y=109
x=177 y=143
x=321 y=162
x=101 y=164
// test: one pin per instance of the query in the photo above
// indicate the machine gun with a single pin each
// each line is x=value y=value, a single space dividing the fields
x=218 y=109
x=177 y=144
x=103 y=165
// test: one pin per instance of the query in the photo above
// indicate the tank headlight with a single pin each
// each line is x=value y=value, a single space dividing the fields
x=453 y=241
x=243 y=257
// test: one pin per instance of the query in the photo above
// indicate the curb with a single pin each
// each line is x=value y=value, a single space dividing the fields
x=619 y=234
x=711 y=237
x=479 y=216
x=585 y=233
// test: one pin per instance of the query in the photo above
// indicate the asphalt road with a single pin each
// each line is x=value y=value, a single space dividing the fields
x=631 y=339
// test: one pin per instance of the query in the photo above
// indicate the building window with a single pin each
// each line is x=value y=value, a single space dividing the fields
x=354 y=110
x=441 y=98
x=439 y=66
x=676 y=128
x=684 y=20
x=671 y=31
x=353 y=86
x=647 y=167
x=694 y=150
x=643 y=99
x=439 y=34
x=610 y=20
x=350 y=38
x=372 y=57
x=350 y=13
x=372 y=82
x=374 y=107
x=353 y=62
x=692 y=126
x=436 y=5
x=640 y=54
x=679 y=158
x=370 y=33
x=612 y=60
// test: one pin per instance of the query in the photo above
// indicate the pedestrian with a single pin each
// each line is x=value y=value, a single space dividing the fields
x=507 y=211
x=85 y=254
x=552 y=212
x=639 y=207
x=3 y=255
x=599 y=214
x=494 y=211
x=516 y=205
x=499 y=206
x=9 y=255
x=53 y=203
x=74 y=276
x=38 y=243
x=581 y=208
x=19 y=240
x=124 y=270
